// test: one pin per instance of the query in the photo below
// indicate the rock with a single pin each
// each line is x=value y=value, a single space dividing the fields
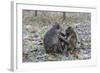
x=31 y=28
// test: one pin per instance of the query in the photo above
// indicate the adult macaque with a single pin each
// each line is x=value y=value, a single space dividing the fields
x=52 y=43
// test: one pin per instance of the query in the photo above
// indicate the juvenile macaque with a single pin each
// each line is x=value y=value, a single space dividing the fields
x=71 y=39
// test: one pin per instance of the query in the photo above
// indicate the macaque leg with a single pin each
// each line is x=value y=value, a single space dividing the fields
x=75 y=53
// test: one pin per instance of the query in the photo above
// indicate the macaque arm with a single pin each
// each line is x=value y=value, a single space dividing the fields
x=63 y=39
x=62 y=34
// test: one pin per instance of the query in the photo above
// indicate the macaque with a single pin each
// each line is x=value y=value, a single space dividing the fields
x=71 y=40
x=52 y=43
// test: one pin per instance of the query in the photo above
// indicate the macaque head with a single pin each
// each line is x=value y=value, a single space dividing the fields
x=69 y=30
